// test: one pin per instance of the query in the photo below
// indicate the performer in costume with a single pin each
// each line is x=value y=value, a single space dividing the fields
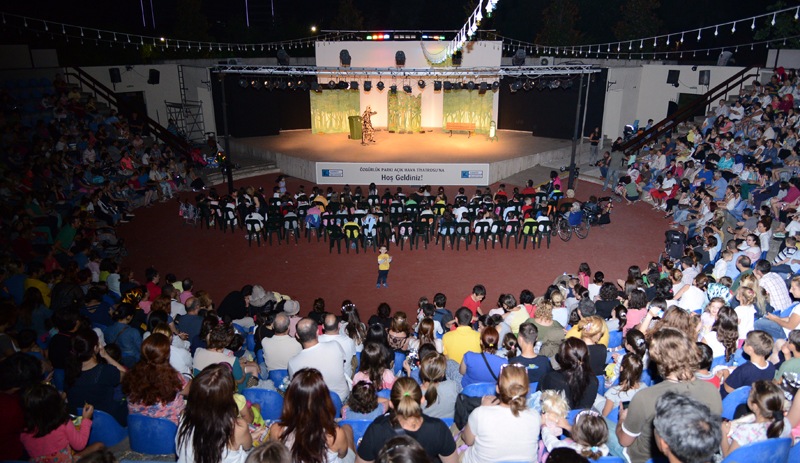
x=366 y=126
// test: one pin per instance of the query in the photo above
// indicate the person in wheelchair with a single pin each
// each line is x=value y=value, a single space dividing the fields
x=575 y=214
x=592 y=209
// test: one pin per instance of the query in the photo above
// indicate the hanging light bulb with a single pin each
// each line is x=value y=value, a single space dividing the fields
x=797 y=13
x=655 y=42
x=716 y=31
x=81 y=32
x=699 y=31
x=733 y=29
x=115 y=36
x=641 y=44
x=98 y=35
x=45 y=25
x=129 y=39
x=63 y=29
x=773 y=18
x=667 y=40
x=681 y=37
x=25 y=21
x=753 y=26
x=630 y=46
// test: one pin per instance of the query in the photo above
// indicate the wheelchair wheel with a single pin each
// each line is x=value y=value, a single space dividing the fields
x=582 y=230
x=564 y=230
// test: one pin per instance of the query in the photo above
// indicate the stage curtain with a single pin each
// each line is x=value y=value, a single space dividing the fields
x=468 y=106
x=330 y=109
x=405 y=112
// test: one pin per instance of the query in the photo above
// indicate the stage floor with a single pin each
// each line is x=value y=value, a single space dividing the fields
x=432 y=146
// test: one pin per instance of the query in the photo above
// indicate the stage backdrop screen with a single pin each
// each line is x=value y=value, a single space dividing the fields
x=468 y=106
x=405 y=112
x=331 y=108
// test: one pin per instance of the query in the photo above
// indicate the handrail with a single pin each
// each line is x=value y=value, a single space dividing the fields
x=176 y=143
x=670 y=122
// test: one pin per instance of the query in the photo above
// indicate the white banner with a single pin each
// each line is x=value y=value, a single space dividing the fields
x=397 y=173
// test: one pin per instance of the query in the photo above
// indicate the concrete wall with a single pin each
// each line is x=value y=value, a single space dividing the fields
x=382 y=54
x=198 y=88
x=785 y=58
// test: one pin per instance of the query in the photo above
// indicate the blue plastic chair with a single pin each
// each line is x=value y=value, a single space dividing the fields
x=572 y=415
x=614 y=339
x=251 y=342
x=385 y=393
x=609 y=459
x=359 y=428
x=794 y=453
x=277 y=376
x=337 y=404
x=646 y=378
x=768 y=451
x=733 y=400
x=240 y=329
x=151 y=436
x=105 y=429
x=448 y=421
x=601 y=384
x=399 y=358
x=614 y=414
x=480 y=389
x=738 y=359
x=271 y=402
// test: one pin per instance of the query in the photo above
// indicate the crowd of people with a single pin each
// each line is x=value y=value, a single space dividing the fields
x=636 y=367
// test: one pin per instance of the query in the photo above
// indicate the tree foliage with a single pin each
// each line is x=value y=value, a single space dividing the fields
x=559 y=20
x=785 y=26
x=638 y=18
x=348 y=17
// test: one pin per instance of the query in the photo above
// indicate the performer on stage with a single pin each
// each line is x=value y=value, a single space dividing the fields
x=366 y=126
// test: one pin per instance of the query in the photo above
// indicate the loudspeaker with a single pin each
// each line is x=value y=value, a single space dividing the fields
x=344 y=57
x=673 y=76
x=704 y=78
x=400 y=58
x=154 y=77
x=113 y=74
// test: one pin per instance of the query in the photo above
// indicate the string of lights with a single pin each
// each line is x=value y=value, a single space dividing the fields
x=124 y=39
x=647 y=45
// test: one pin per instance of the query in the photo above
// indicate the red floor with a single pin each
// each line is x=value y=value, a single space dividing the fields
x=220 y=262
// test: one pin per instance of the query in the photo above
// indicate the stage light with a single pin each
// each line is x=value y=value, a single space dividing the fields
x=456 y=58
x=527 y=85
x=407 y=88
x=367 y=85
x=315 y=86
x=421 y=83
x=541 y=84
x=331 y=85
x=243 y=82
x=519 y=58
x=495 y=85
x=303 y=85
x=470 y=85
x=483 y=87
x=256 y=84
x=567 y=84
x=344 y=57
x=555 y=83
x=282 y=85
x=290 y=85
x=448 y=85
x=437 y=85
x=380 y=85
x=516 y=85
x=283 y=57
x=393 y=89
x=343 y=85
x=400 y=58
x=353 y=85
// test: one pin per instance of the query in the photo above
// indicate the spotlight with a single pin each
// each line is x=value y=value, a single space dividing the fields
x=456 y=58
x=331 y=85
x=437 y=85
x=555 y=83
x=470 y=85
x=448 y=85
x=495 y=85
x=400 y=58
x=343 y=85
x=282 y=85
x=541 y=84
x=256 y=84
x=303 y=85
x=519 y=58
x=694 y=68
x=516 y=85
x=421 y=83
x=283 y=57
x=407 y=88
x=393 y=89
x=380 y=85
x=243 y=82
x=527 y=85
x=344 y=58
x=353 y=85
x=566 y=84
x=483 y=87
x=367 y=85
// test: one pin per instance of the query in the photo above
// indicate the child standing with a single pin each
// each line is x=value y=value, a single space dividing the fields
x=50 y=435
x=384 y=260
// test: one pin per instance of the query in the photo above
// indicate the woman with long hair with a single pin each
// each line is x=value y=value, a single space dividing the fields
x=351 y=324
x=375 y=366
x=92 y=376
x=503 y=428
x=630 y=374
x=406 y=417
x=440 y=393
x=153 y=387
x=124 y=334
x=307 y=426
x=210 y=430
x=591 y=330
x=483 y=366
x=426 y=335
x=724 y=335
x=575 y=377
x=399 y=333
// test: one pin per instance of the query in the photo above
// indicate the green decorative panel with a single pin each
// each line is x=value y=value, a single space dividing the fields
x=468 y=106
x=331 y=108
x=405 y=112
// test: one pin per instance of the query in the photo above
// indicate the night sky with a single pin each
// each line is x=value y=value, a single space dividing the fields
x=225 y=19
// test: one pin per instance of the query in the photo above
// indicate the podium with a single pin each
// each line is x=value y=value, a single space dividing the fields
x=355 y=127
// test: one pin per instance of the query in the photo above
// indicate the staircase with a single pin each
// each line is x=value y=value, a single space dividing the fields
x=675 y=123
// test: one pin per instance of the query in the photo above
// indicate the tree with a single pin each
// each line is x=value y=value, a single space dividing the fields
x=638 y=19
x=558 y=24
x=785 y=26
x=348 y=17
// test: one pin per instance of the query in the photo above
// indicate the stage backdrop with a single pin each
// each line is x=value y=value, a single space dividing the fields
x=330 y=109
x=405 y=112
x=468 y=106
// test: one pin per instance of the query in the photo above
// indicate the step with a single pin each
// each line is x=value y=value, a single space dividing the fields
x=215 y=176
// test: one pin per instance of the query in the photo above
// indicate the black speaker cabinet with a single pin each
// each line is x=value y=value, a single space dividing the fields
x=154 y=77
x=673 y=76
x=113 y=74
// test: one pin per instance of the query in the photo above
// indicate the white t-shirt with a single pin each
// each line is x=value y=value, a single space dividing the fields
x=746 y=315
x=795 y=310
x=186 y=452
x=594 y=290
x=348 y=346
x=501 y=436
x=278 y=350
x=561 y=315
x=717 y=349
x=328 y=358
x=692 y=299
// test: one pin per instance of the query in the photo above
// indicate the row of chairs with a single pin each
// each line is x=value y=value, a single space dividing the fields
x=151 y=436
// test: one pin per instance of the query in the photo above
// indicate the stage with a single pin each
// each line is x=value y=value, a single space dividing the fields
x=304 y=155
